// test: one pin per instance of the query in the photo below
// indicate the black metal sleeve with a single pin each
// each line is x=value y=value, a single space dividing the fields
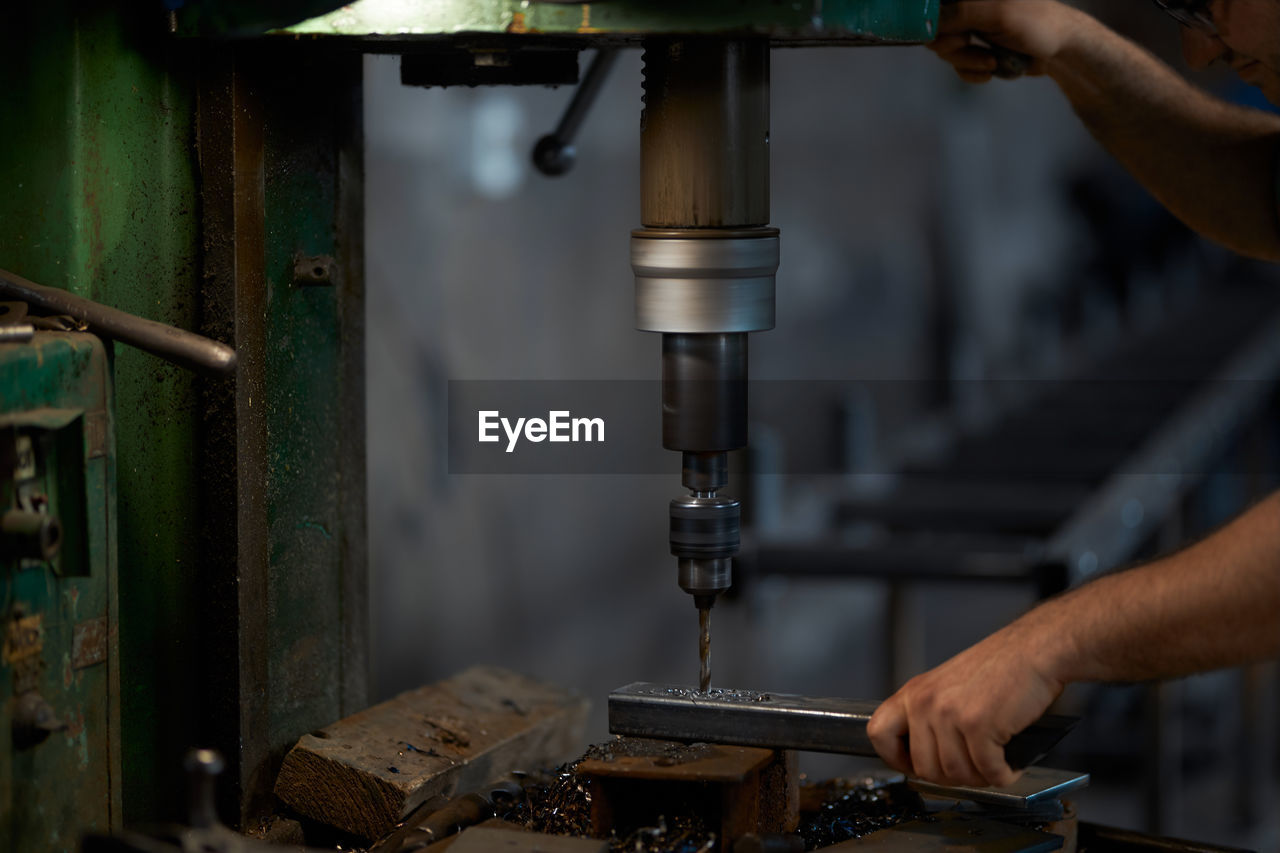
x=704 y=392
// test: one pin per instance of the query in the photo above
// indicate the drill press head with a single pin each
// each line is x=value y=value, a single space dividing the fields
x=705 y=264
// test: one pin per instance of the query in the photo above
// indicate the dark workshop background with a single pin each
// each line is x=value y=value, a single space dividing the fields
x=934 y=234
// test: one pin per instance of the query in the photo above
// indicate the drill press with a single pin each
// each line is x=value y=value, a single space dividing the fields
x=705 y=263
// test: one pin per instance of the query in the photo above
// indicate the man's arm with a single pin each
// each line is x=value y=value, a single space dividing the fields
x=1212 y=164
x=1215 y=604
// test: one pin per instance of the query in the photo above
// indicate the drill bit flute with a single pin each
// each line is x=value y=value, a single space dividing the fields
x=704 y=263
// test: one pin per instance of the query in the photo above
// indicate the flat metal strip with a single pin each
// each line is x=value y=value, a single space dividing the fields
x=1035 y=786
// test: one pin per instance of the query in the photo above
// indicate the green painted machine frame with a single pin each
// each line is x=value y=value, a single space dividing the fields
x=811 y=22
x=184 y=184
x=57 y=455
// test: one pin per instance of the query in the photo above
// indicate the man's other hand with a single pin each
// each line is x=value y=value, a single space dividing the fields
x=1040 y=29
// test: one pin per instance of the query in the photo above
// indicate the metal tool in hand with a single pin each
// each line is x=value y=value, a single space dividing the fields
x=183 y=348
x=782 y=721
x=1010 y=64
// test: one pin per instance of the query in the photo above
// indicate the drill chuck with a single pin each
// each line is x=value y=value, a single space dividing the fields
x=705 y=527
x=705 y=579
x=705 y=533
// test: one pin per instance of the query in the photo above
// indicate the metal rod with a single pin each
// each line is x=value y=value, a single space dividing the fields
x=183 y=348
x=781 y=721
x=554 y=153
x=585 y=94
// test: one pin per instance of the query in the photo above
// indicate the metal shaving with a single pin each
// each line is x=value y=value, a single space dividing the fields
x=559 y=803
x=852 y=809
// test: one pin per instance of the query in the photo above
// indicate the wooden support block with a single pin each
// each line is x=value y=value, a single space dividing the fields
x=739 y=789
x=365 y=773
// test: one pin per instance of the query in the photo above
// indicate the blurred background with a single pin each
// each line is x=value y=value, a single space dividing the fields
x=947 y=252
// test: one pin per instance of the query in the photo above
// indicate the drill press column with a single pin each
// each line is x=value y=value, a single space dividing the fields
x=705 y=262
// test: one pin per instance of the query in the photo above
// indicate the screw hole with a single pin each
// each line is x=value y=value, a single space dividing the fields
x=318 y=272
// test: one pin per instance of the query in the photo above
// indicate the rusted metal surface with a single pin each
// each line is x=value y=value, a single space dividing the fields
x=367 y=772
x=89 y=643
x=59 y=663
x=736 y=790
x=314 y=270
x=234 y=470
x=283 y=474
x=704 y=134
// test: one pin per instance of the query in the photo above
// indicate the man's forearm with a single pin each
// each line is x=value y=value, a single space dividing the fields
x=1212 y=605
x=1211 y=163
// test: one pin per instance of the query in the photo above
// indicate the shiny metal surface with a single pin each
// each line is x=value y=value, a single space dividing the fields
x=780 y=721
x=1034 y=786
x=704 y=133
x=704 y=395
x=18 y=333
x=705 y=528
x=704 y=285
x=709 y=577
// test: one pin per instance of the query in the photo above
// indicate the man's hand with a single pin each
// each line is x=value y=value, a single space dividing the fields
x=957 y=718
x=1040 y=29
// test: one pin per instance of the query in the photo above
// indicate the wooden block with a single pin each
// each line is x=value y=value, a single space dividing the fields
x=365 y=773
x=739 y=789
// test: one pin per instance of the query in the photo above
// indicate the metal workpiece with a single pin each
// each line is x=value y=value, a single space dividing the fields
x=1035 y=786
x=704 y=133
x=183 y=348
x=704 y=393
x=713 y=282
x=781 y=721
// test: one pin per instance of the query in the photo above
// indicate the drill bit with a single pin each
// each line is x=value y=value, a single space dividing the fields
x=704 y=648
